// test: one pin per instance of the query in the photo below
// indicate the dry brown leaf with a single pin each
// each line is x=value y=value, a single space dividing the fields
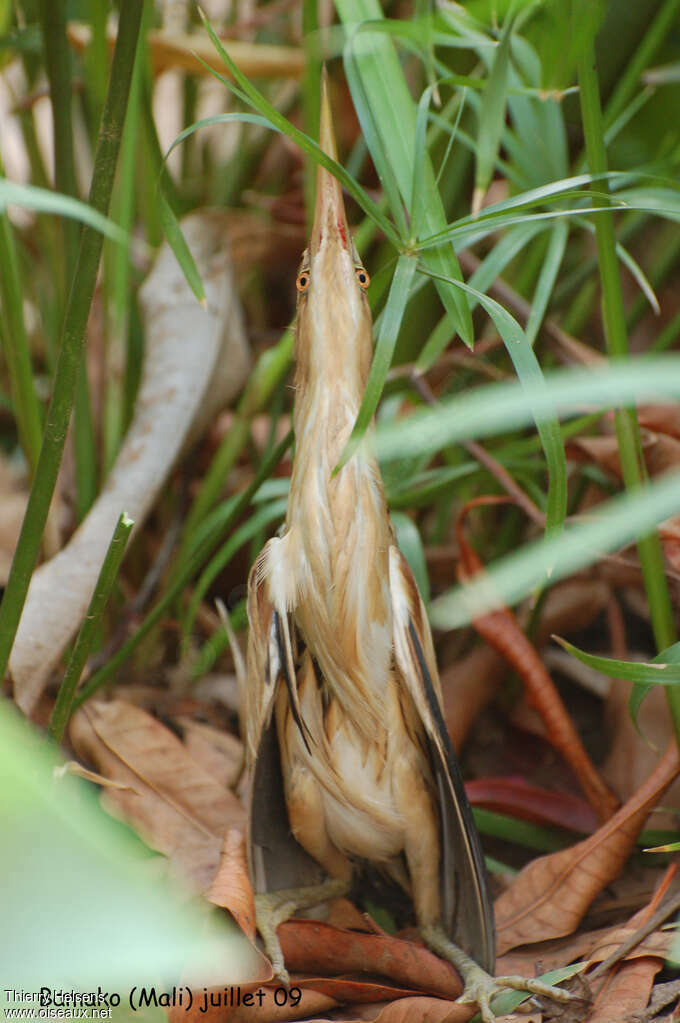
x=231 y=887
x=625 y=991
x=196 y=360
x=551 y=894
x=176 y=806
x=262 y=1005
x=544 y=956
x=310 y=946
x=425 y=1010
x=661 y=418
x=220 y=753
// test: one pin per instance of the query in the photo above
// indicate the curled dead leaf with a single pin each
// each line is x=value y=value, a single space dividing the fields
x=231 y=887
x=177 y=807
x=310 y=946
x=551 y=894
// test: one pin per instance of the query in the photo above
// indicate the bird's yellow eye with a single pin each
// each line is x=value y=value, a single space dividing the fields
x=302 y=282
x=362 y=277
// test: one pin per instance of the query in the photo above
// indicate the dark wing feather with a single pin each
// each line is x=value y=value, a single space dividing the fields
x=467 y=912
x=276 y=859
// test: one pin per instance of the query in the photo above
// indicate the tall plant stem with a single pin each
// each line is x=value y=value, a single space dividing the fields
x=58 y=65
x=613 y=315
x=73 y=332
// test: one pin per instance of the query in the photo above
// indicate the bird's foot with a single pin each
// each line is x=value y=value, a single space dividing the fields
x=479 y=986
x=274 y=908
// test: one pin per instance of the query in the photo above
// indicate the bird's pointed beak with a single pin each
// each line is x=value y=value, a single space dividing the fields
x=330 y=221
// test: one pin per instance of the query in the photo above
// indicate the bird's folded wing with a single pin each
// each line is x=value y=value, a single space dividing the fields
x=276 y=859
x=467 y=913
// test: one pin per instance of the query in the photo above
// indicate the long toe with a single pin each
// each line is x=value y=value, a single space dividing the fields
x=536 y=987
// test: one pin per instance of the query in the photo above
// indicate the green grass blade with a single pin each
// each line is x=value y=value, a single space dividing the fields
x=184 y=574
x=384 y=98
x=664 y=670
x=42 y=200
x=410 y=544
x=619 y=522
x=546 y=279
x=255 y=98
x=16 y=349
x=73 y=334
x=531 y=377
x=499 y=407
x=614 y=320
x=86 y=635
x=180 y=249
x=492 y=117
x=390 y=326
x=260 y=518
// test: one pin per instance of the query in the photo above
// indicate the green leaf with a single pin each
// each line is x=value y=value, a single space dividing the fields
x=387 y=115
x=531 y=377
x=410 y=544
x=492 y=117
x=546 y=278
x=663 y=670
x=82 y=908
x=42 y=200
x=390 y=325
x=618 y=522
x=181 y=250
x=499 y=407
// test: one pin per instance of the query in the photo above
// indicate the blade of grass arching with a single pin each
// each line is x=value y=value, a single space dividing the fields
x=617 y=523
x=86 y=635
x=531 y=377
x=253 y=97
x=43 y=201
x=185 y=574
x=491 y=267
x=625 y=419
x=270 y=369
x=390 y=325
x=181 y=251
x=58 y=65
x=663 y=670
x=671 y=656
x=260 y=518
x=16 y=349
x=631 y=265
x=502 y=407
x=547 y=278
x=384 y=98
x=667 y=244
x=73 y=333
x=492 y=117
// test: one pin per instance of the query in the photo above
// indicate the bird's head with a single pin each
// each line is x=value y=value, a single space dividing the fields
x=333 y=315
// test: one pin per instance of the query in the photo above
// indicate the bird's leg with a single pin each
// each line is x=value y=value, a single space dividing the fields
x=479 y=986
x=274 y=908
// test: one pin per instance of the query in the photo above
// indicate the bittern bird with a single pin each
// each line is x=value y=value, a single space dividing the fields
x=349 y=756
